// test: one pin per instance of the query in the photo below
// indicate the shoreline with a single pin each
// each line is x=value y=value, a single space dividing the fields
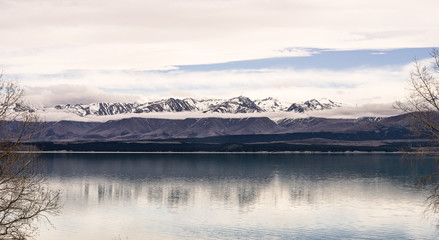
x=204 y=152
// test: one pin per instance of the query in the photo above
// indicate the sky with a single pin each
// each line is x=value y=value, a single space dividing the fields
x=82 y=51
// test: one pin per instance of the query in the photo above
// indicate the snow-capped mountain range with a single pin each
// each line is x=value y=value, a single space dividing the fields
x=234 y=105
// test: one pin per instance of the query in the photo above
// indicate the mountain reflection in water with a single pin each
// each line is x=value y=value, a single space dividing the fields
x=229 y=196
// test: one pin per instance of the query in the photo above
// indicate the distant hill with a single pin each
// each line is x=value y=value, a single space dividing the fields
x=153 y=128
x=231 y=134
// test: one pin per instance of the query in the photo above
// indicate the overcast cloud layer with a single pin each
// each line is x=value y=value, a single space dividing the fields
x=82 y=51
x=357 y=86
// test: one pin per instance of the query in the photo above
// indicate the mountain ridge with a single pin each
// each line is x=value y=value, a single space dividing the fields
x=240 y=104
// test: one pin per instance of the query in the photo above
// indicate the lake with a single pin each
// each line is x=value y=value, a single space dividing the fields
x=237 y=196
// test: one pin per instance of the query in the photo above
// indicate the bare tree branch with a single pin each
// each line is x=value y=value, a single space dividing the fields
x=24 y=195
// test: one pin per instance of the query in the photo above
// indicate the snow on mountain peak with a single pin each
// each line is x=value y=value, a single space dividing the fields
x=240 y=104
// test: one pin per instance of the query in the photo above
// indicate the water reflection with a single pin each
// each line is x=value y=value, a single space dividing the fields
x=224 y=196
x=225 y=166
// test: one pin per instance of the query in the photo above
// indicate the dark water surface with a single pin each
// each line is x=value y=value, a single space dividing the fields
x=237 y=196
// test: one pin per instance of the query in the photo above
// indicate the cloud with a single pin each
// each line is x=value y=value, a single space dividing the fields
x=356 y=111
x=51 y=36
x=81 y=51
x=50 y=96
x=352 y=86
x=178 y=93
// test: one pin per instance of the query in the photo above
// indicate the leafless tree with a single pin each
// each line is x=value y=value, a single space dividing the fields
x=422 y=103
x=25 y=198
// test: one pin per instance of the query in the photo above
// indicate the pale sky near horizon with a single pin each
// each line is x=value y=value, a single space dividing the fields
x=82 y=51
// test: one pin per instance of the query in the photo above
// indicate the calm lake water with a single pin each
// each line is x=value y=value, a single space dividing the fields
x=237 y=196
